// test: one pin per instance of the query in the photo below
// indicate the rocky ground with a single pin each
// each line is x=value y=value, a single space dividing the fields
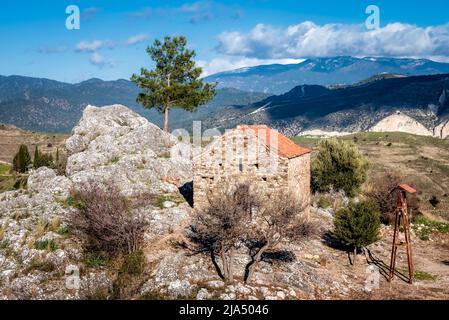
x=39 y=256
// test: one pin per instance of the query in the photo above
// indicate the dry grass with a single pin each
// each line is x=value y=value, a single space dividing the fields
x=11 y=138
x=422 y=161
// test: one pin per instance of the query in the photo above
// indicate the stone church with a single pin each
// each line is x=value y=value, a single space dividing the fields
x=253 y=153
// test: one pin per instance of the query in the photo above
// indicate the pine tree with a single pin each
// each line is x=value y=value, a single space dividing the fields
x=22 y=159
x=175 y=82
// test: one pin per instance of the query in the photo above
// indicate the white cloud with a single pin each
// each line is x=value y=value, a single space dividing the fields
x=308 y=39
x=236 y=62
x=194 y=7
x=200 y=17
x=91 y=46
x=90 y=12
x=99 y=61
x=136 y=39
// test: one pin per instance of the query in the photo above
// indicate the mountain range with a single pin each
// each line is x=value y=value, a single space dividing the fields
x=52 y=106
x=278 y=79
x=339 y=94
x=347 y=108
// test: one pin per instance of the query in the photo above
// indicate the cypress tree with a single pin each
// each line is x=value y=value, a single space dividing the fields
x=22 y=159
x=36 y=159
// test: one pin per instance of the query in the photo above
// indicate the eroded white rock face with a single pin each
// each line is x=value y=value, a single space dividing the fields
x=442 y=130
x=115 y=144
x=401 y=123
x=45 y=180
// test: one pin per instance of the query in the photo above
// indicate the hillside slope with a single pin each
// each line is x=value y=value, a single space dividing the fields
x=350 y=108
x=52 y=106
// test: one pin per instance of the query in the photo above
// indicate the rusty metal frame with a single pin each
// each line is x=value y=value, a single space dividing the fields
x=402 y=219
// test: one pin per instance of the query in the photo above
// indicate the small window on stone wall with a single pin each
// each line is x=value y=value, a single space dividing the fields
x=241 y=165
x=264 y=179
x=257 y=166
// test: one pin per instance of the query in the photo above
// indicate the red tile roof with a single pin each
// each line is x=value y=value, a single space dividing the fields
x=276 y=141
x=407 y=188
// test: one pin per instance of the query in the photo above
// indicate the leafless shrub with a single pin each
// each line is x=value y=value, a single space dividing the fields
x=379 y=190
x=103 y=217
x=237 y=216
x=220 y=227
x=279 y=218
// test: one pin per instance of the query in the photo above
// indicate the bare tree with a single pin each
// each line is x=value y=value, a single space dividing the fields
x=379 y=190
x=279 y=218
x=104 y=218
x=220 y=227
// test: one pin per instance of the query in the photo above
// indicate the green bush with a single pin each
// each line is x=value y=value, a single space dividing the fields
x=42 y=159
x=130 y=275
x=95 y=260
x=4 y=168
x=49 y=245
x=134 y=263
x=357 y=225
x=339 y=165
x=22 y=159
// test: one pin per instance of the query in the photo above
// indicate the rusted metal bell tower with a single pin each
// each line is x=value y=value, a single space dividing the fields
x=402 y=218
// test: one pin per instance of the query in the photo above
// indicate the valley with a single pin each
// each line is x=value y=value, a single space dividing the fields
x=422 y=161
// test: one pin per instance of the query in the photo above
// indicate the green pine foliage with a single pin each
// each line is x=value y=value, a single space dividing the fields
x=357 y=225
x=42 y=159
x=22 y=159
x=175 y=81
x=339 y=165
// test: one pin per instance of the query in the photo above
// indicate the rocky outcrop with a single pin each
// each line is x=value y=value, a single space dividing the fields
x=398 y=122
x=442 y=130
x=114 y=144
x=401 y=123
x=109 y=145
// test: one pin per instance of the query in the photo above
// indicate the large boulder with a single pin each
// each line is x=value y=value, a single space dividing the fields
x=113 y=144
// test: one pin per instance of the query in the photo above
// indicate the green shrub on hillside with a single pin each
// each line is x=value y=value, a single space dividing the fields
x=42 y=159
x=339 y=165
x=357 y=225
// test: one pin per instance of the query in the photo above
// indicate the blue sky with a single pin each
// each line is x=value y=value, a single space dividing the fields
x=225 y=34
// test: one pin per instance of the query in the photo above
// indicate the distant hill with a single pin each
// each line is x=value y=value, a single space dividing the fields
x=350 y=108
x=278 y=79
x=52 y=106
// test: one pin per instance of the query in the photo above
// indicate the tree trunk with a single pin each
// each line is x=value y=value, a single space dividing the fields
x=225 y=264
x=256 y=259
x=166 y=107
x=355 y=256
x=231 y=274
x=166 y=119
x=365 y=251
